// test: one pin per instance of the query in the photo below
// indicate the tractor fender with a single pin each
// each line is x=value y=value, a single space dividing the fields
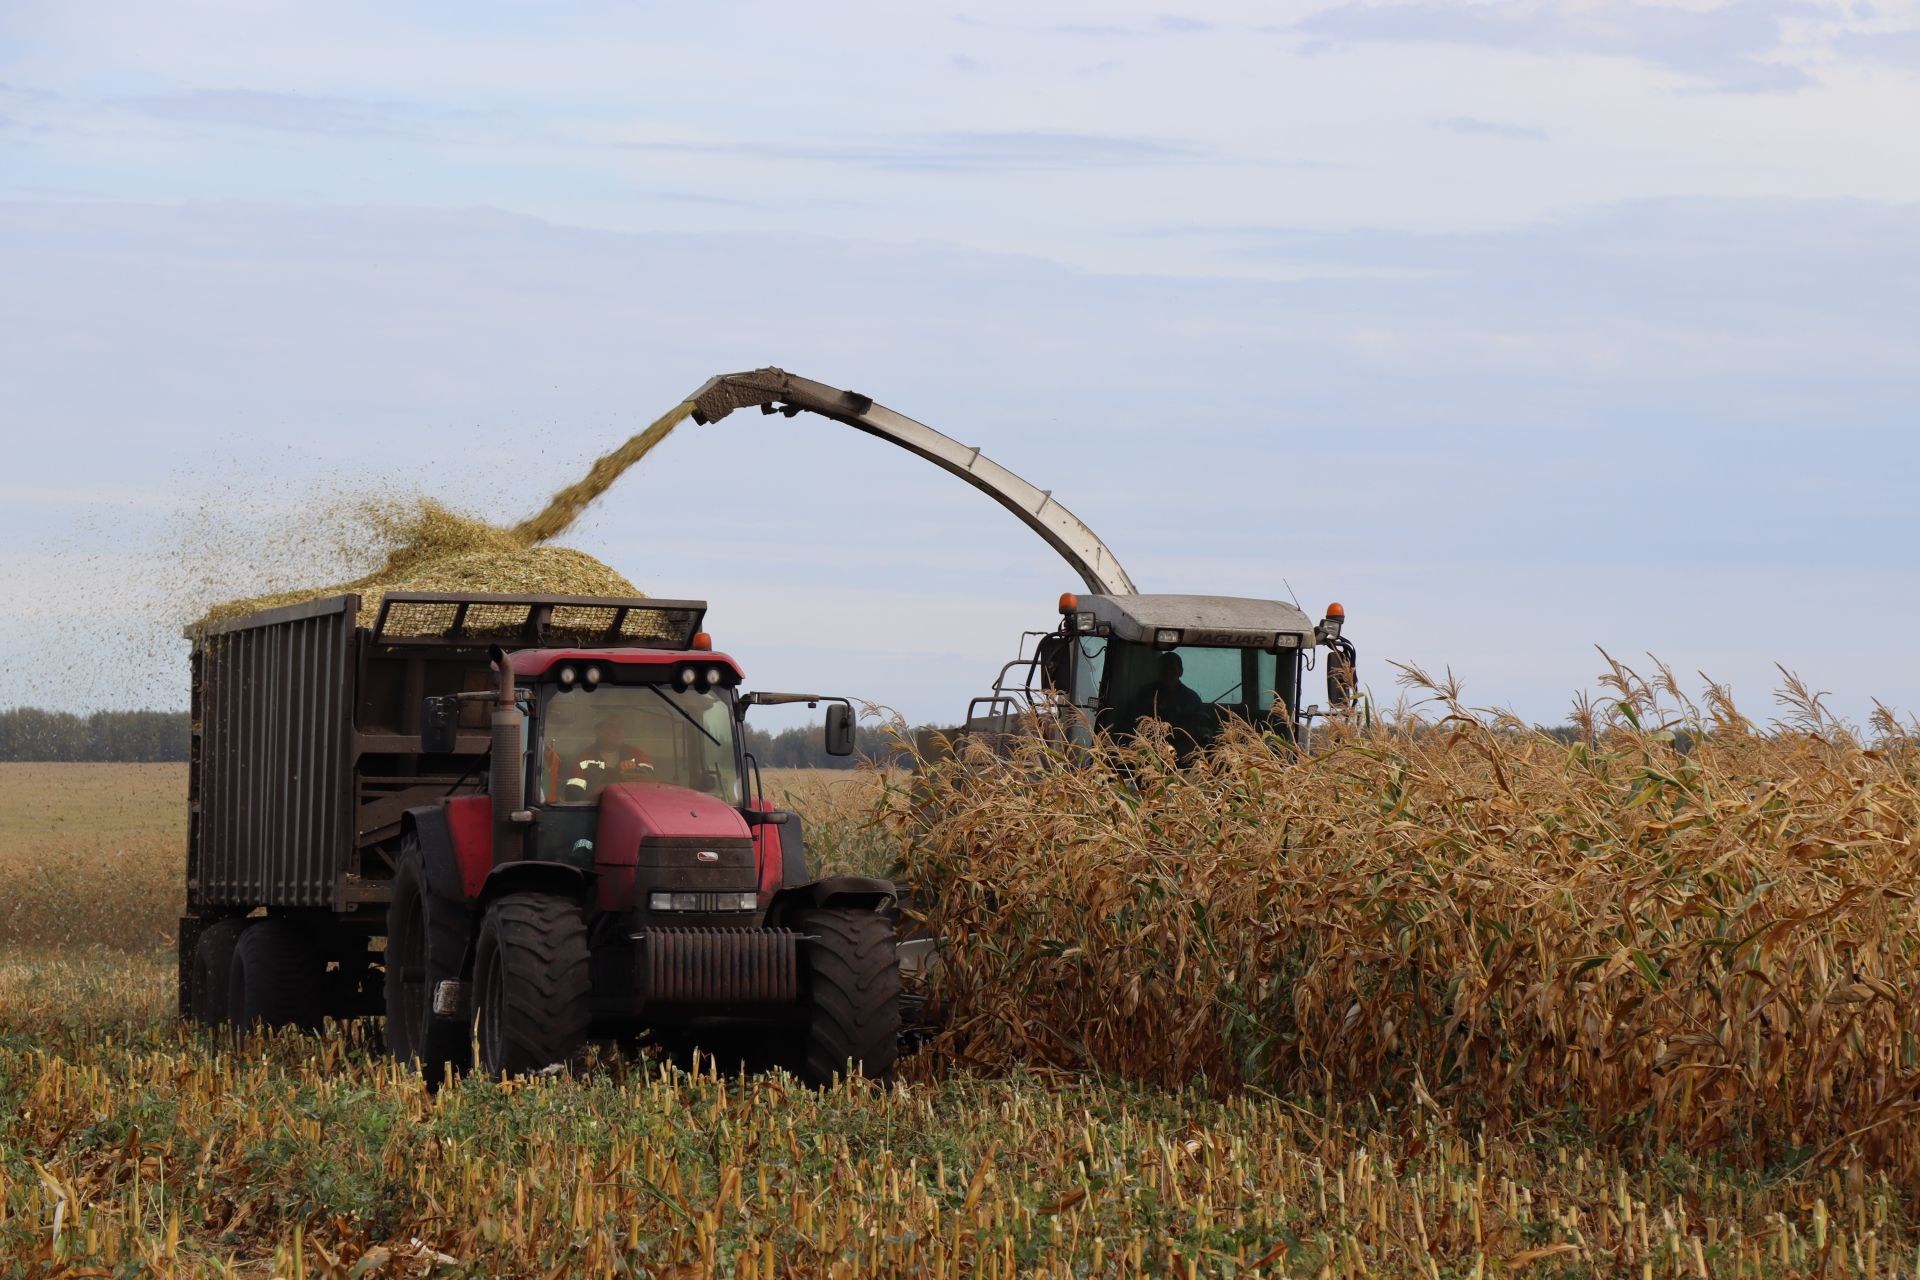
x=455 y=844
x=559 y=878
x=850 y=892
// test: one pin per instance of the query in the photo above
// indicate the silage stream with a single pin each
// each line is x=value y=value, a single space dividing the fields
x=430 y=547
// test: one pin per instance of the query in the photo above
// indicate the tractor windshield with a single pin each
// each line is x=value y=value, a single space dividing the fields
x=637 y=733
x=1194 y=689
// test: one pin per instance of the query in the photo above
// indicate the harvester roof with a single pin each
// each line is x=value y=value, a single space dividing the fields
x=1201 y=620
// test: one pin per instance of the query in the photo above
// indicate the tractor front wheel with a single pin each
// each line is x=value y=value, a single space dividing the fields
x=852 y=978
x=531 y=980
x=426 y=943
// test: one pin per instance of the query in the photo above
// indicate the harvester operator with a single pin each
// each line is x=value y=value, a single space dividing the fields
x=1170 y=698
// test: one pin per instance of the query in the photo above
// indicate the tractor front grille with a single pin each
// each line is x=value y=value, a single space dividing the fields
x=715 y=970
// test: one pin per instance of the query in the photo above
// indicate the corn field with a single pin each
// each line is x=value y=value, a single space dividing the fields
x=1677 y=930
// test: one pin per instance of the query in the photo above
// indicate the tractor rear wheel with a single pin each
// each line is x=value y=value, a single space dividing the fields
x=426 y=943
x=207 y=1001
x=852 y=979
x=531 y=982
x=274 y=979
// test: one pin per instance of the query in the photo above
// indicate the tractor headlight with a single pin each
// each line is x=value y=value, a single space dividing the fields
x=1167 y=637
x=703 y=902
x=567 y=676
x=592 y=676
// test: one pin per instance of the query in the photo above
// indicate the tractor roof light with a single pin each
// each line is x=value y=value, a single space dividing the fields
x=1337 y=610
x=567 y=676
x=592 y=676
x=701 y=642
x=1068 y=602
x=1167 y=637
x=687 y=677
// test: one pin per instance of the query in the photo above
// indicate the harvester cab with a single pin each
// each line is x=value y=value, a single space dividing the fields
x=1118 y=657
x=1193 y=663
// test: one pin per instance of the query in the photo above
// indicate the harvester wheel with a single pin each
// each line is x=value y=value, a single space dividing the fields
x=212 y=966
x=426 y=943
x=531 y=980
x=275 y=977
x=852 y=980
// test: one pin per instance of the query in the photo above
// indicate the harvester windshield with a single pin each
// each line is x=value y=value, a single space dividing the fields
x=1193 y=688
x=637 y=733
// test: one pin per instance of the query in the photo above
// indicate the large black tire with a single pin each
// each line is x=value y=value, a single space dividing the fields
x=274 y=980
x=426 y=945
x=852 y=990
x=531 y=981
x=211 y=967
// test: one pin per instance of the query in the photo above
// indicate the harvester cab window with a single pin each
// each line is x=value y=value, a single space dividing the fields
x=637 y=733
x=1191 y=688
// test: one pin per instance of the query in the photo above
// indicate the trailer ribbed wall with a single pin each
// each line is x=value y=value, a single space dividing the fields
x=272 y=794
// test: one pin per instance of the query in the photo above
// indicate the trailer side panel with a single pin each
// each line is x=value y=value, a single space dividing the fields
x=273 y=789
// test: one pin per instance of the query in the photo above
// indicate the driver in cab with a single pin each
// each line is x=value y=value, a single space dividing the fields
x=1169 y=698
x=609 y=758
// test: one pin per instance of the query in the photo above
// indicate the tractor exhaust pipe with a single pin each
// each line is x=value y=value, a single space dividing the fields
x=506 y=766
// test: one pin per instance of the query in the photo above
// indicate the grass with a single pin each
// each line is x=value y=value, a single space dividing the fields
x=138 y=1146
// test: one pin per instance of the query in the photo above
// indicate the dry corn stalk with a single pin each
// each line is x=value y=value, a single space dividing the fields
x=1680 y=929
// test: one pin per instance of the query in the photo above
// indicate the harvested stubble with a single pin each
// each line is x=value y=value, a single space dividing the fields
x=429 y=547
x=1700 y=934
x=137 y=1146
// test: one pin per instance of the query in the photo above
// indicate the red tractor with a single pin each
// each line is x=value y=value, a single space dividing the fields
x=516 y=825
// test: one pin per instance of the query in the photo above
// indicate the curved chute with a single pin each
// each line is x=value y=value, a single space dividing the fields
x=777 y=391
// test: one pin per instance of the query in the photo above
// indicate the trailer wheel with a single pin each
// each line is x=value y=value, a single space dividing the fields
x=207 y=1001
x=531 y=977
x=274 y=980
x=426 y=943
x=853 y=995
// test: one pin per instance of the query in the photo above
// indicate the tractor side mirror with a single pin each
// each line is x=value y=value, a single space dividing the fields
x=839 y=729
x=439 y=725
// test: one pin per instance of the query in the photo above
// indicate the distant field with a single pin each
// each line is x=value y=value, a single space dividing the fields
x=92 y=854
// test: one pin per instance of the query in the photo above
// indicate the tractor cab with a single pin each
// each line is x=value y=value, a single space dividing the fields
x=628 y=763
x=1194 y=663
x=628 y=716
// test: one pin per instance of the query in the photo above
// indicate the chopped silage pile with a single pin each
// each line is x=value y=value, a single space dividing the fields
x=430 y=547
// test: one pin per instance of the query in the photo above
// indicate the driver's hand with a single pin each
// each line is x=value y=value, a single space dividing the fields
x=633 y=764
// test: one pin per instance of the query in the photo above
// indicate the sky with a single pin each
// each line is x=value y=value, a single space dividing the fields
x=1522 y=329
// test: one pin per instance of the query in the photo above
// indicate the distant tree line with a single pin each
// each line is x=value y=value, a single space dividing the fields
x=805 y=747
x=28 y=733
